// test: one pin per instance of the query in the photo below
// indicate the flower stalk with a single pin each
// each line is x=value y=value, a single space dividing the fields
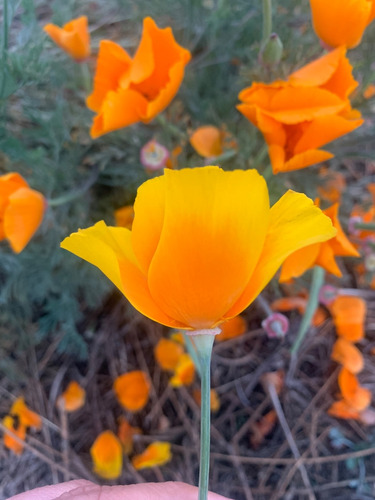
x=203 y=344
x=267 y=20
x=316 y=284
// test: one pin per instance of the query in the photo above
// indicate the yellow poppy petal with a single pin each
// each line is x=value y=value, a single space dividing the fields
x=27 y=417
x=204 y=214
x=295 y=222
x=297 y=263
x=19 y=431
x=155 y=455
x=106 y=454
x=110 y=249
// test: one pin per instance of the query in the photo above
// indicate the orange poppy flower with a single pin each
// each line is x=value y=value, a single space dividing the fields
x=124 y=216
x=125 y=433
x=302 y=114
x=349 y=315
x=168 y=353
x=21 y=211
x=225 y=241
x=18 y=429
x=320 y=254
x=73 y=398
x=26 y=417
x=184 y=372
x=232 y=328
x=132 y=390
x=73 y=37
x=356 y=396
x=340 y=22
x=106 y=454
x=155 y=455
x=345 y=353
x=129 y=90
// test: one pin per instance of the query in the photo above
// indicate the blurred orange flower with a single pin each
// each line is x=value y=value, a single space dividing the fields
x=26 y=417
x=339 y=22
x=232 y=328
x=125 y=433
x=124 y=216
x=168 y=353
x=341 y=409
x=18 y=429
x=73 y=37
x=345 y=353
x=369 y=91
x=21 y=211
x=214 y=399
x=302 y=114
x=132 y=390
x=320 y=254
x=129 y=90
x=349 y=315
x=356 y=396
x=225 y=241
x=155 y=455
x=106 y=454
x=73 y=398
x=184 y=372
x=209 y=141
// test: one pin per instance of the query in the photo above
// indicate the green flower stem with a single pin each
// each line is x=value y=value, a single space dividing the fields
x=203 y=343
x=267 y=19
x=4 y=46
x=370 y=226
x=192 y=352
x=86 y=77
x=312 y=304
x=169 y=127
x=76 y=193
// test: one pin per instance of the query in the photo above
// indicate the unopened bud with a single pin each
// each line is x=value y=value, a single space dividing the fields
x=271 y=51
x=276 y=325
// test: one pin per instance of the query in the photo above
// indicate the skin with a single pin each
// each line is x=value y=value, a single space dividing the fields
x=86 y=490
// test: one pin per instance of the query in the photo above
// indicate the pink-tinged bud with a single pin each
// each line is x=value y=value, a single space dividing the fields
x=327 y=294
x=154 y=156
x=276 y=325
x=356 y=219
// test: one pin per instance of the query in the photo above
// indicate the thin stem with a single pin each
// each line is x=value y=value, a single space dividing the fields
x=77 y=193
x=192 y=352
x=312 y=304
x=267 y=19
x=204 y=345
x=86 y=77
x=370 y=226
x=4 y=47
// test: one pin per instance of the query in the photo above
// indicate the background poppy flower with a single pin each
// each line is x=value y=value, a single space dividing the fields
x=339 y=22
x=132 y=390
x=21 y=211
x=156 y=454
x=73 y=37
x=320 y=254
x=18 y=429
x=129 y=90
x=349 y=315
x=300 y=115
x=73 y=398
x=168 y=353
x=226 y=242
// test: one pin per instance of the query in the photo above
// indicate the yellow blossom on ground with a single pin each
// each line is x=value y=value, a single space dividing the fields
x=155 y=455
x=106 y=454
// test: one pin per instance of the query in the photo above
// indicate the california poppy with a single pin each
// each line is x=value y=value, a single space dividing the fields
x=128 y=90
x=204 y=243
x=132 y=390
x=73 y=398
x=21 y=211
x=184 y=372
x=339 y=22
x=16 y=428
x=106 y=454
x=73 y=37
x=168 y=353
x=25 y=416
x=155 y=455
x=320 y=254
x=300 y=115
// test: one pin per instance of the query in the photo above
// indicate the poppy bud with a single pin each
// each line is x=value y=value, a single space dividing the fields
x=272 y=51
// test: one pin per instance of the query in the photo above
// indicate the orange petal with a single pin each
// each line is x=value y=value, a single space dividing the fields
x=125 y=433
x=341 y=409
x=22 y=217
x=340 y=23
x=299 y=262
x=27 y=417
x=232 y=328
x=305 y=159
x=356 y=396
x=124 y=216
x=19 y=431
x=73 y=398
x=73 y=37
x=349 y=316
x=106 y=454
x=345 y=353
x=167 y=353
x=290 y=303
x=207 y=141
x=132 y=390
x=184 y=372
x=204 y=210
x=155 y=455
